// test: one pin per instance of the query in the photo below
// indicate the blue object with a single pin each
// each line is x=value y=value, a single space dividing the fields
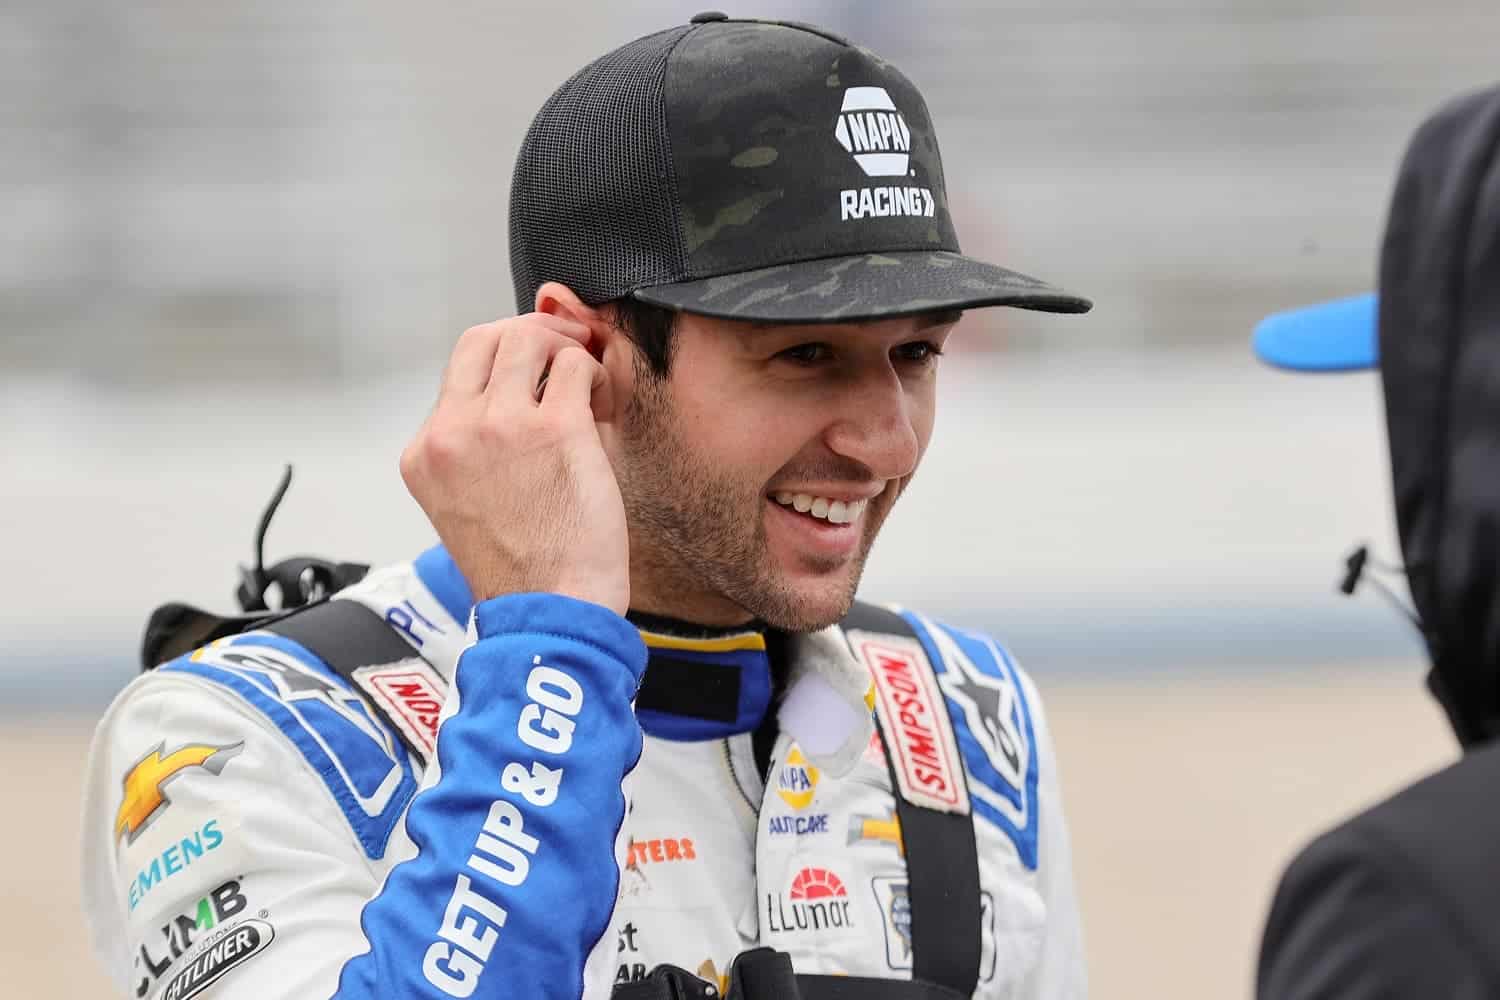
x=515 y=877
x=1338 y=336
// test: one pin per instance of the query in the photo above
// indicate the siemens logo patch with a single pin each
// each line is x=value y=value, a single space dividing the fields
x=178 y=857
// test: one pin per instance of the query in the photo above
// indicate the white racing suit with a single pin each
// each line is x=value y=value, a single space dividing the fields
x=252 y=831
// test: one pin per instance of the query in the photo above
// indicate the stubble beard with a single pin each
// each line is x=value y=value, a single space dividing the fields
x=701 y=533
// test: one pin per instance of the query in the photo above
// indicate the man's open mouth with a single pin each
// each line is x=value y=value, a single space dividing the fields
x=822 y=508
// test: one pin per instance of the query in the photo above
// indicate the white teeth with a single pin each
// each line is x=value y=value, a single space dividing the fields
x=832 y=511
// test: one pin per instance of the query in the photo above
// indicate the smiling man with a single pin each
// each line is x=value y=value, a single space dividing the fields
x=674 y=756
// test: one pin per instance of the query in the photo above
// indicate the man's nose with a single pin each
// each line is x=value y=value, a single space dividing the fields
x=874 y=426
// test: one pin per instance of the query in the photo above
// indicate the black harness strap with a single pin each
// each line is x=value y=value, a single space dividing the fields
x=347 y=636
x=861 y=988
x=670 y=983
x=942 y=863
x=344 y=634
x=766 y=974
x=941 y=856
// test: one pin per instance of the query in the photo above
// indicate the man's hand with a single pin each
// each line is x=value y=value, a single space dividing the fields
x=510 y=469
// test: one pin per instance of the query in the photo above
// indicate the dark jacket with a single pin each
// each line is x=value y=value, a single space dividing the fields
x=1404 y=900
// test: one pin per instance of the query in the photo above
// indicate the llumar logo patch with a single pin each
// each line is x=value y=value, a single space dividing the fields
x=145 y=800
x=817 y=901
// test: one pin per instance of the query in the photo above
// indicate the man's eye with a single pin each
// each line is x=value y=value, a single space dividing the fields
x=806 y=354
x=919 y=352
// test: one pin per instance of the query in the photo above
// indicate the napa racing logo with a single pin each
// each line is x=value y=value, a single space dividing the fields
x=875 y=133
x=796 y=780
x=873 y=130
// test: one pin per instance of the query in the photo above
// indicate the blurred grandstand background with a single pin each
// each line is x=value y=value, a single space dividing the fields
x=237 y=235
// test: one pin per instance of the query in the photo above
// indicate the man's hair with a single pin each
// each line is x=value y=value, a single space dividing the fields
x=650 y=328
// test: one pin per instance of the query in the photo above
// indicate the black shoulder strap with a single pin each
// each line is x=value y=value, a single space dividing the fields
x=942 y=860
x=344 y=634
x=349 y=637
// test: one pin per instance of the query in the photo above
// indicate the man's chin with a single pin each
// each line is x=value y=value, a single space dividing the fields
x=805 y=602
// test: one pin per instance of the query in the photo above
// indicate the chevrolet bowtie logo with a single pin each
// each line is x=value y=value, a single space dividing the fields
x=887 y=829
x=144 y=799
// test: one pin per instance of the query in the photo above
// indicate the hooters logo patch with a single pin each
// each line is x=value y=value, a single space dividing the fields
x=914 y=720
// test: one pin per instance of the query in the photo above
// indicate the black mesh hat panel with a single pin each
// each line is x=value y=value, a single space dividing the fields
x=593 y=201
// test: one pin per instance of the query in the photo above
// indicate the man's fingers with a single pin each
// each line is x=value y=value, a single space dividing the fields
x=559 y=324
x=572 y=380
x=520 y=362
x=472 y=364
x=473 y=357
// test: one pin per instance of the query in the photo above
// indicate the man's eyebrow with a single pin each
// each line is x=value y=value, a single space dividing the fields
x=945 y=318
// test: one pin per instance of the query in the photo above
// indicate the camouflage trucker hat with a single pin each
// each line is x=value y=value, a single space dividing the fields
x=752 y=170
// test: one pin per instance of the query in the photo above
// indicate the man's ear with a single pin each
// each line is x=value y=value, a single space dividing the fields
x=556 y=299
x=609 y=345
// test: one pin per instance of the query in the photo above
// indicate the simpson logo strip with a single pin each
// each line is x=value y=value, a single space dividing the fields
x=992 y=719
x=410 y=695
x=942 y=857
x=909 y=705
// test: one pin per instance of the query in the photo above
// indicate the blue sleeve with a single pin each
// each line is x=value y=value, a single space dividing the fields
x=516 y=828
